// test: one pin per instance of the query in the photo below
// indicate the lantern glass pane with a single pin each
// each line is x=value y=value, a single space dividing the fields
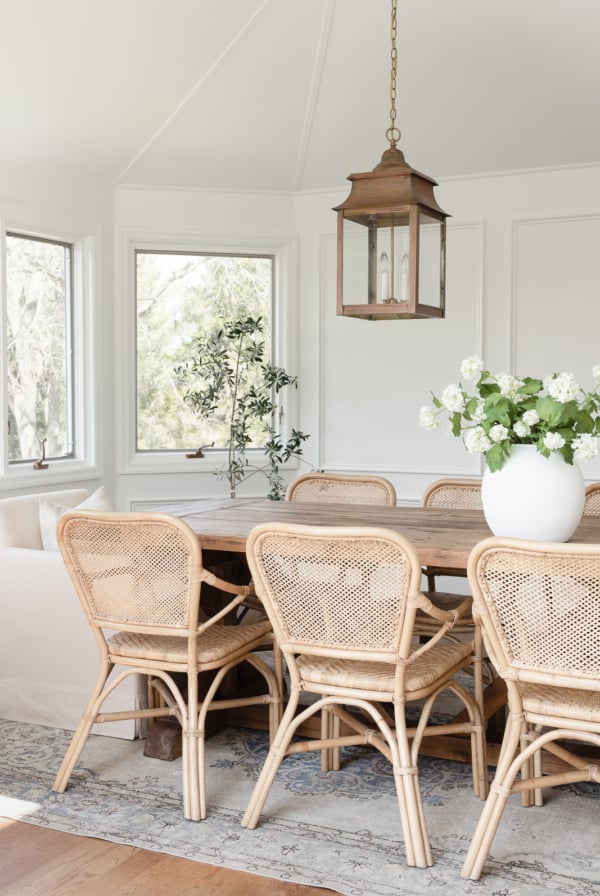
x=356 y=263
x=430 y=241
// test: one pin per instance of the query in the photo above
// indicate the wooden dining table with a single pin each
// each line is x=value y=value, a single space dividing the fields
x=441 y=537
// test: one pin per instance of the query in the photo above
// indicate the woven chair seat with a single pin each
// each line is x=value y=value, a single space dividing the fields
x=352 y=674
x=566 y=703
x=214 y=645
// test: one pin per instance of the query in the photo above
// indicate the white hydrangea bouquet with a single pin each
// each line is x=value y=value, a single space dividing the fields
x=554 y=414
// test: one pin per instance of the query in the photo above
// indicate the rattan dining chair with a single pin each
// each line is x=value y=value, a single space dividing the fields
x=139 y=578
x=342 y=602
x=592 y=500
x=338 y=488
x=451 y=494
x=539 y=606
x=456 y=494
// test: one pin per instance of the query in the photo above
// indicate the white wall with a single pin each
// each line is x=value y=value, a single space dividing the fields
x=181 y=219
x=523 y=290
x=75 y=209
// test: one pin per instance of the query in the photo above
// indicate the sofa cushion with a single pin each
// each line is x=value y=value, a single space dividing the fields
x=50 y=512
x=20 y=516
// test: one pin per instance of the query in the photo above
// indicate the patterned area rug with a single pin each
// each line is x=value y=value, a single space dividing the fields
x=339 y=829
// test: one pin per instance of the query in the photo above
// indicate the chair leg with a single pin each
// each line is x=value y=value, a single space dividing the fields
x=192 y=739
x=155 y=698
x=335 y=751
x=527 y=796
x=276 y=754
x=532 y=768
x=478 y=741
x=474 y=726
x=193 y=724
x=495 y=803
x=330 y=730
x=192 y=755
x=393 y=743
x=537 y=773
x=274 y=682
x=82 y=732
x=278 y=667
x=326 y=730
x=412 y=816
x=478 y=670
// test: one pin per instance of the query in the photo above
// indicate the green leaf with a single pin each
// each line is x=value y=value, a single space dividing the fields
x=567 y=452
x=495 y=457
x=549 y=410
x=471 y=407
x=530 y=386
x=487 y=389
x=497 y=409
x=585 y=422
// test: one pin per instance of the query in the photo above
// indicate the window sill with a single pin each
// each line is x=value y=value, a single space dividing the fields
x=58 y=473
x=176 y=462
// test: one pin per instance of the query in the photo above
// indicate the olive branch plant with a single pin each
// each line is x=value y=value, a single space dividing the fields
x=228 y=380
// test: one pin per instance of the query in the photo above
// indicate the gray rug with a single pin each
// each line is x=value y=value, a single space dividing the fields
x=339 y=830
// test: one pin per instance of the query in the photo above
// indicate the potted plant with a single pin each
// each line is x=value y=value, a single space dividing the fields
x=228 y=379
x=530 y=432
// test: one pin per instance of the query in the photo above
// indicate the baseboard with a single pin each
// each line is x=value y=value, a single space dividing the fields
x=42 y=703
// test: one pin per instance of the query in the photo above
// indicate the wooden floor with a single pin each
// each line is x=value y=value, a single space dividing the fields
x=36 y=861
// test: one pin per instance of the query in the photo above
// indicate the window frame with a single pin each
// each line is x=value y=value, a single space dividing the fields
x=82 y=464
x=284 y=251
x=69 y=344
x=204 y=254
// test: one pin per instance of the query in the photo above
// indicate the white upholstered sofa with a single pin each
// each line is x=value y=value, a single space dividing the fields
x=48 y=655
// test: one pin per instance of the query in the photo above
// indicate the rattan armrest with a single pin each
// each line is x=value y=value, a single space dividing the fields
x=230 y=587
x=245 y=595
x=427 y=606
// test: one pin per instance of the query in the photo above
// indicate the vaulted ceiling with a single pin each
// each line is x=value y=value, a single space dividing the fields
x=290 y=95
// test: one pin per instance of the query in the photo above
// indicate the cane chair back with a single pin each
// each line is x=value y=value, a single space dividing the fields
x=342 y=602
x=451 y=494
x=462 y=493
x=335 y=488
x=592 y=500
x=539 y=606
x=139 y=579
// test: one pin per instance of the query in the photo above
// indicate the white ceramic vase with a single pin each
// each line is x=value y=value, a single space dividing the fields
x=534 y=497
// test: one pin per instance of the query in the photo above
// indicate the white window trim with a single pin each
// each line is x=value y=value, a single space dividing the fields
x=84 y=464
x=284 y=249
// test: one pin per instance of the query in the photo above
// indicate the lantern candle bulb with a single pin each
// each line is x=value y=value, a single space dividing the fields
x=384 y=264
x=404 y=278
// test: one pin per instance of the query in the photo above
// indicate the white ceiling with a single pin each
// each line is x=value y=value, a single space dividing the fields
x=289 y=95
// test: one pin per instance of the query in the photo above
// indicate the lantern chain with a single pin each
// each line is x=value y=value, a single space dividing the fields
x=392 y=133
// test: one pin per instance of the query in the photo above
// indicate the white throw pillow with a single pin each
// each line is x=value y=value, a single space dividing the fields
x=50 y=513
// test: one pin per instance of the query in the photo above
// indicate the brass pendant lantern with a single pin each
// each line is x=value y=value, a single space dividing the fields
x=391 y=236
